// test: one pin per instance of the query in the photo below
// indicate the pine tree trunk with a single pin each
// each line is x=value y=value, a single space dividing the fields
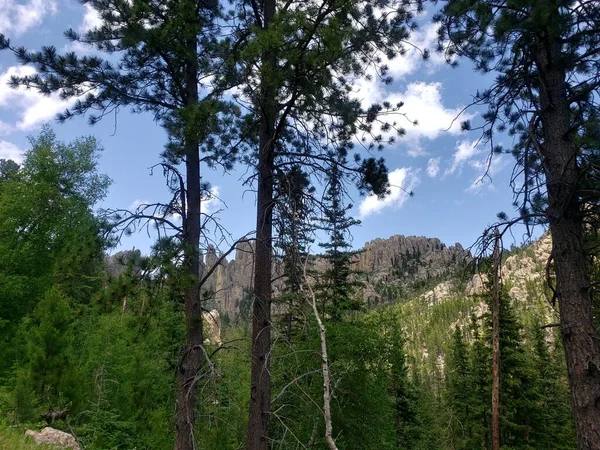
x=496 y=345
x=260 y=377
x=565 y=219
x=191 y=353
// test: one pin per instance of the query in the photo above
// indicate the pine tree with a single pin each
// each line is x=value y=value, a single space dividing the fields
x=337 y=285
x=546 y=54
x=167 y=50
x=459 y=391
x=551 y=417
x=293 y=215
x=480 y=370
x=402 y=390
x=307 y=54
x=47 y=373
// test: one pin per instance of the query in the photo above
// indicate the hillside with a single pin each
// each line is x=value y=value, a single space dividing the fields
x=430 y=319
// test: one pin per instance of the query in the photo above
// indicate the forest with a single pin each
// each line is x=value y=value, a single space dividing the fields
x=323 y=345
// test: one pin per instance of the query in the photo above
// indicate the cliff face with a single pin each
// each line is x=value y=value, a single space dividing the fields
x=398 y=260
x=229 y=283
x=403 y=258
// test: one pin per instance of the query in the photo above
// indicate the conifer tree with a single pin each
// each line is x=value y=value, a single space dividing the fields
x=547 y=59
x=167 y=53
x=458 y=391
x=551 y=416
x=480 y=383
x=308 y=54
x=48 y=370
x=293 y=215
x=337 y=286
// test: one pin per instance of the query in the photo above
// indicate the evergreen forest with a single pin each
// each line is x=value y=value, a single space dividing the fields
x=290 y=336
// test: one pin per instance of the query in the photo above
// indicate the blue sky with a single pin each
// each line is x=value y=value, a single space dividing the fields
x=441 y=165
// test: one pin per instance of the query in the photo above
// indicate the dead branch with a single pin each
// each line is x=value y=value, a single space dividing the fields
x=324 y=365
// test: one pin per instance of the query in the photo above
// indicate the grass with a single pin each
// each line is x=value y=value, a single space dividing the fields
x=14 y=439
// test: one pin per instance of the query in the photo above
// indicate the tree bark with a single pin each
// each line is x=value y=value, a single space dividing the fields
x=496 y=345
x=559 y=156
x=191 y=353
x=260 y=377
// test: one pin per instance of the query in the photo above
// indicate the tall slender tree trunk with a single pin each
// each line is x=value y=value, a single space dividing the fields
x=191 y=353
x=260 y=377
x=324 y=368
x=559 y=155
x=496 y=344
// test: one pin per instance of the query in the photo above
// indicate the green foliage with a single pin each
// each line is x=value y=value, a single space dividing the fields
x=14 y=439
x=225 y=396
x=48 y=371
x=526 y=373
x=49 y=235
x=369 y=377
x=338 y=288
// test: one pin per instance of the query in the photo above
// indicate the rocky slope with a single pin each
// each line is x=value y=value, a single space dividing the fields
x=430 y=318
x=397 y=261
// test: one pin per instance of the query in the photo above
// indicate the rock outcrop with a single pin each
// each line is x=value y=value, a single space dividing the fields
x=401 y=258
x=212 y=327
x=397 y=260
x=117 y=264
x=231 y=280
x=53 y=437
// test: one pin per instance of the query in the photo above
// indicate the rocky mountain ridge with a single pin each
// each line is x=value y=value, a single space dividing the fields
x=431 y=318
x=398 y=260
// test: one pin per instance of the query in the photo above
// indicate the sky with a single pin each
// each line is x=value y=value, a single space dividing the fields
x=441 y=165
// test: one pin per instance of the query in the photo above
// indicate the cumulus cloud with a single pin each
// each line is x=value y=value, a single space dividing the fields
x=465 y=153
x=402 y=181
x=433 y=167
x=8 y=150
x=211 y=200
x=371 y=91
x=31 y=108
x=91 y=19
x=18 y=17
x=424 y=105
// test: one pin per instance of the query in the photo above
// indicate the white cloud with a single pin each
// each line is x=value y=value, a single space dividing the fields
x=465 y=152
x=211 y=201
x=5 y=128
x=402 y=180
x=137 y=203
x=480 y=160
x=423 y=39
x=18 y=17
x=487 y=168
x=91 y=19
x=423 y=103
x=433 y=167
x=372 y=91
x=8 y=150
x=31 y=108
